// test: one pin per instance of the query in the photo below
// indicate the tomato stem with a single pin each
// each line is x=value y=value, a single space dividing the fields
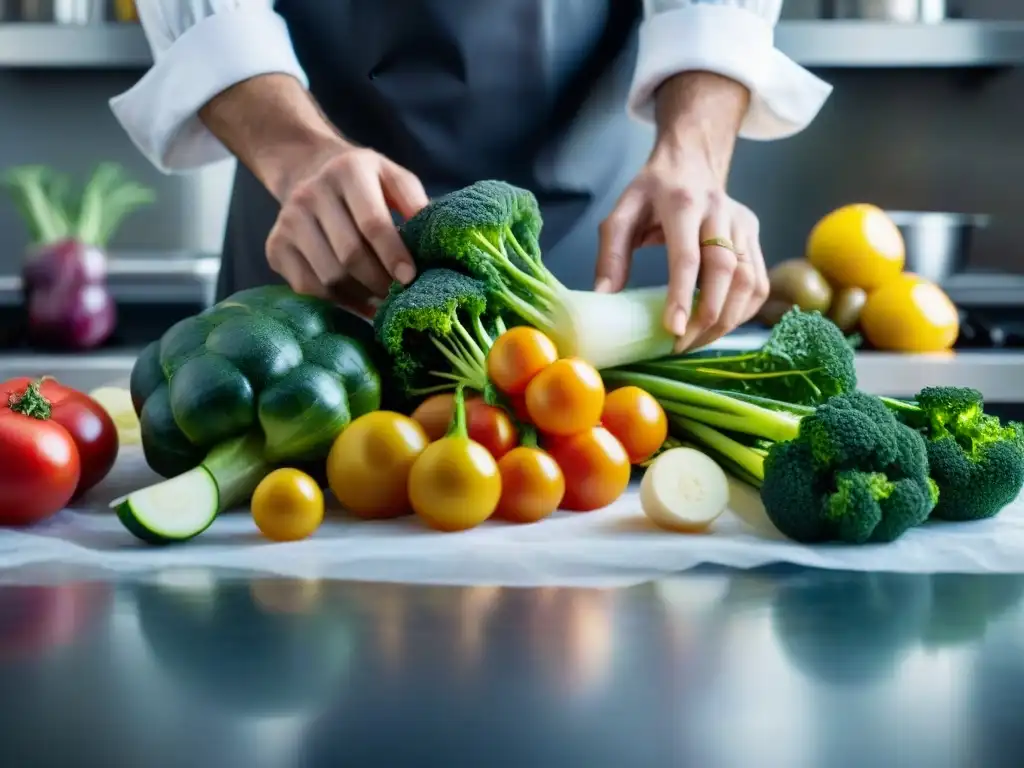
x=458 y=426
x=31 y=402
x=528 y=436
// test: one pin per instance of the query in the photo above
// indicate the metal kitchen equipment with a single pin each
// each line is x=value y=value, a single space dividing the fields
x=899 y=11
x=63 y=11
x=937 y=244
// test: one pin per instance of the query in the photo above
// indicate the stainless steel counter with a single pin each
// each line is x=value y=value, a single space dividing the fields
x=999 y=375
x=779 y=668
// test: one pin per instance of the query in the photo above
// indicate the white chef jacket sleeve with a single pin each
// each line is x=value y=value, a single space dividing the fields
x=733 y=38
x=200 y=48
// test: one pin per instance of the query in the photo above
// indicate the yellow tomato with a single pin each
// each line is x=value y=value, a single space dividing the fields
x=857 y=245
x=287 y=505
x=454 y=484
x=910 y=314
x=368 y=466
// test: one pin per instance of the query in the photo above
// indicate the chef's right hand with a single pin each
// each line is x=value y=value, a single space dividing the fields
x=335 y=237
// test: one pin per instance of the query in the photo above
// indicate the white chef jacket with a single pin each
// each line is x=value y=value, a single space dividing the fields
x=202 y=47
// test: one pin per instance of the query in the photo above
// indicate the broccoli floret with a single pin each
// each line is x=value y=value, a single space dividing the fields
x=489 y=230
x=805 y=361
x=976 y=460
x=869 y=475
x=438 y=331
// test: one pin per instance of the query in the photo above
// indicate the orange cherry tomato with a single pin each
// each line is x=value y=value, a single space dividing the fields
x=566 y=397
x=532 y=485
x=596 y=469
x=486 y=424
x=637 y=420
x=517 y=356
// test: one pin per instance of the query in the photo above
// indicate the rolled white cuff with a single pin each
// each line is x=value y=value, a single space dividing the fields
x=734 y=43
x=160 y=112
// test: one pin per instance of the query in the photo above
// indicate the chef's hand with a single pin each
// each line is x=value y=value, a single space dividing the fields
x=678 y=199
x=335 y=237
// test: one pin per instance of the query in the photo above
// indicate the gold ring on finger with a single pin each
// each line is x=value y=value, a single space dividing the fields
x=720 y=242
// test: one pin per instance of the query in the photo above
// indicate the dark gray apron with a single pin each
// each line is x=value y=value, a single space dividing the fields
x=529 y=91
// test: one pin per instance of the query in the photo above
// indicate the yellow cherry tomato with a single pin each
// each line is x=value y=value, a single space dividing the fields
x=857 y=245
x=455 y=483
x=369 y=464
x=287 y=505
x=910 y=314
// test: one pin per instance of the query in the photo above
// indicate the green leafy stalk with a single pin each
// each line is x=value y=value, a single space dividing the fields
x=52 y=212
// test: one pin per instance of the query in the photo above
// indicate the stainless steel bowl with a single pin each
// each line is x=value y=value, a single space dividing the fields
x=938 y=244
x=898 y=11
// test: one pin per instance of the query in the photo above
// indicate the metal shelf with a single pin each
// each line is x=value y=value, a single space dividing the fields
x=825 y=44
x=58 y=46
x=871 y=44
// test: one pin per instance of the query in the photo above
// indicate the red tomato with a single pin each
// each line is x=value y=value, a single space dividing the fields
x=39 y=467
x=487 y=424
x=595 y=466
x=637 y=420
x=88 y=423
x=566 y=397
x=517 y=356
x=532 y=485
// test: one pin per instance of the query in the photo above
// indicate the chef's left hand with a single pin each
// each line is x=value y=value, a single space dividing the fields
x=678 y=199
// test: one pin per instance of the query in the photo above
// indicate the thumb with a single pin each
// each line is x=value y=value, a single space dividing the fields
x=402 y=190
x=617 y=236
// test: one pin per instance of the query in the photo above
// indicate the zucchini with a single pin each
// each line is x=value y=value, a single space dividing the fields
x=174 y=510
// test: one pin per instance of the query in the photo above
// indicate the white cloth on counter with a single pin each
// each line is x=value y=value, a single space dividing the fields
x=612 y=547
x=203 y=47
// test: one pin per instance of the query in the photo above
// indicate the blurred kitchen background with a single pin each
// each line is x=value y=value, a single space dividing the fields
x=926 y=115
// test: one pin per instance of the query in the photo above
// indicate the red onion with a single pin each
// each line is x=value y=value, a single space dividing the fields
x=65 y=275
x=65 y=286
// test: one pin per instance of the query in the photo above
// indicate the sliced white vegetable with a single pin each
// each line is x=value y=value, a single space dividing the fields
x=684 y=490
x=118 y=403
x=174 y=510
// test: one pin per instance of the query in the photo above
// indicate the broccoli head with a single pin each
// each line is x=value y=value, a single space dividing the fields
x=976 y=460
x=853 y=474
x=490 y=231
x=437 y=332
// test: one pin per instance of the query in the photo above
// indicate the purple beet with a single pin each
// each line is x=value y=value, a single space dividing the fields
x=69 y=306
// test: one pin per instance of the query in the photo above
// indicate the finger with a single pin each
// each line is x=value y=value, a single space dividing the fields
x=749 y=282
x=353 y=254
x=402 y=189
x=736 y=309
x=364 y=196
x=717 y=267
x=762 y=284
x=309 y=239
x=682 y=236
x=618 y=236
x=353 y=296
x=301 y=278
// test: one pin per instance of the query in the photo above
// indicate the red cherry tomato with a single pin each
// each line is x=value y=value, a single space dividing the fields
x=517 y=356
x=595 y=466
x=486 y=424
x=39 y=466
x=566 y=397
x=88 y=423
x=532 y=485
x=637 y=420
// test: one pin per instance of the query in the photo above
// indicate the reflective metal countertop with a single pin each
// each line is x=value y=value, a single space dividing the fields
x=773 y=668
